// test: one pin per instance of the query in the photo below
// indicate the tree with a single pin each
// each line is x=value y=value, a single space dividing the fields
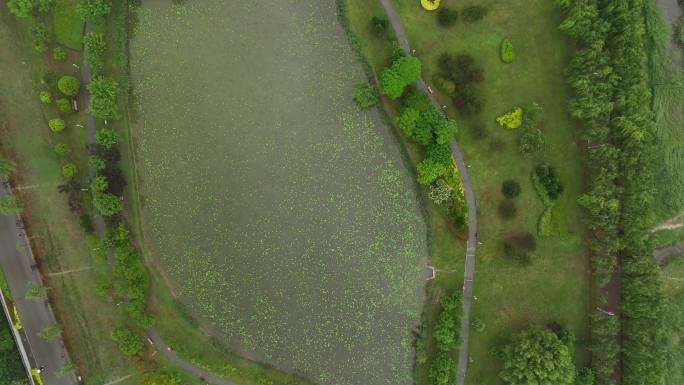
x=103 y=92
x=445 y=332
x=45 y=5
x=546 y=175
x=34 y=291
x=418 y=100
x=443 y=369
x=403 y=71
x=56 y=124
x=41 y=36
x=68 y=85
x=378 y=25
x=45 y=97
x=107 y=204
x=6 y=167
x=9 y=205
x=94 y=45
x=429 y=170
x=50 y=332
x=129 y=342
x=365 y=95
x=92 y=9
x=61 y=149
x=406 y=120
x=446 y=17
x=159 y=378
x=106 y=138
x=96 y=163
x=63 y=105
x=440 y=192
x=391 y=84
x=21 y=8
x=510 y=188
x=408 y=68
x=99 y=184
x=445 y=131
x=69 y=170
x=536 y=356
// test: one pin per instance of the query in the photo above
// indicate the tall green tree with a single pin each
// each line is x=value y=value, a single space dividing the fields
x=103 y=92
x=92 y=9
x=537 y=356
x=21 y=8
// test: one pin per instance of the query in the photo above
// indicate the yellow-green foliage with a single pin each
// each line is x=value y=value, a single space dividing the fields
x=513 y=119
x=430 y=5
x=15 y=318
x=36 y=376
x=507 y=52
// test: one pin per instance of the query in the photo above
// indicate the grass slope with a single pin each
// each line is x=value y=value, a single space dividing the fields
x=555 y=287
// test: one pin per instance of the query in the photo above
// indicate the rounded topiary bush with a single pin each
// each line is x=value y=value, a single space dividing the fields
x=56 y=124
x=45 y=97
x=69 y=170
x=507 y=210
x=68 y=85
x=510 y=188
x=507 y=52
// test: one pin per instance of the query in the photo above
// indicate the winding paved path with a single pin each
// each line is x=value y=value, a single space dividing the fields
x=470 y=197
x=101 y=229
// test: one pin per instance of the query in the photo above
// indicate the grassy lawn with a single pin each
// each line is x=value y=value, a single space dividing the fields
x=668 y=237
x=555 y=286
x=67 y=26
x=59 y=240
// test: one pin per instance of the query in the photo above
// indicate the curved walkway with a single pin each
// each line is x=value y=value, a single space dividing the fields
x=470 y=198
x=101 y=229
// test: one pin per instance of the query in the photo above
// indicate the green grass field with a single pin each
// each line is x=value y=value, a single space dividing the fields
x=68 y=27
x=303 y=227
x=668 y=237
x=555 y=287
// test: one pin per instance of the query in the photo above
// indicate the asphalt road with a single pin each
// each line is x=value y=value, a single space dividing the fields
x=470 y=198
x=18 y=264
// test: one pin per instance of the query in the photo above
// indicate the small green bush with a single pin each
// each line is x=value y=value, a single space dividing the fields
x=56 y=124
x=96 y=163
x=474 y=13
x=107 y=204
x=510 y=188
x=446 y=17
x=68 y=85
x=512 y=119
x=63 y=105
x=549 y=180
x=58 y=54
x=478 y=325
x=99 y=184
x=507 y=52
x=69 y=170
x=365 y=95
x=45 y=97
x=41 y=36
x=106 y=138
x=531 y=142
x=545 y=226
x=61 y=149
x=129 y=343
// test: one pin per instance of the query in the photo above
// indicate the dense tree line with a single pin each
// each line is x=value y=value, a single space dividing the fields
x=447 y=336
x=612 y=96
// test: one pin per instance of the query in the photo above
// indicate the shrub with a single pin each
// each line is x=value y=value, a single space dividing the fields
x=63 y=105
x=92 y=9
x=129 y=343
x=365 y=95
x=478 y=325
x=446 y=17
x=430 y=5
x=418 y=100
x=440 y=192
x=106 y=138
x=99 y=184
x=585 y=376
x=103 y=92
x=68 y=85
x=549 y=181
x=69 y=170
x=507 y=209
x=531 y=142
x=474 y=13
x=403 y=71
x=507 y=52
x=512 y=119
x=56 y=124
x=61 y=149
x=545 y=226
x=378 y=25
x=45 y=97
x=41 y=36
x=96 y=163
x=58 y=54
x=510 y=188
x=443 y=369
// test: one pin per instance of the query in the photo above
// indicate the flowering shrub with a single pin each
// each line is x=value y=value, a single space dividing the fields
x=513 y=119
x=430 y=5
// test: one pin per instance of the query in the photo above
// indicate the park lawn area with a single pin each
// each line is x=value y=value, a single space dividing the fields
x=298 y=240
x=555 y=286
x=668 y=237
x=67 y=25
x=60 y=241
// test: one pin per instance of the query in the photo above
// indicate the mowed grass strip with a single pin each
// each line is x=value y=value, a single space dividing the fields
x=555 y=286
x=68 y=26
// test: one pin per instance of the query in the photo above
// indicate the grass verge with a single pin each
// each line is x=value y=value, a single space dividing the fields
x=67 y=25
